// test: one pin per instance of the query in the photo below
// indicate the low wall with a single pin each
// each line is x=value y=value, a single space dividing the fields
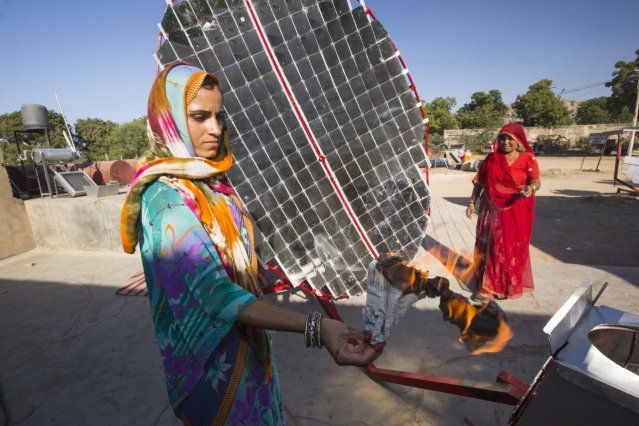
x=569 y=132
x=82 y=223
x=15 y=233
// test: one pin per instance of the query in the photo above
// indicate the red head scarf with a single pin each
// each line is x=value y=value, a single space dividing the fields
x=516 y=132
x=502 y=189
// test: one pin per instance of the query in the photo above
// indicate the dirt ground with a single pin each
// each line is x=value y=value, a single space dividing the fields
x=579 y=218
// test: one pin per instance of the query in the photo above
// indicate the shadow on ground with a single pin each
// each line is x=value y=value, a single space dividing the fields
x=587 y=230
x=76 y=353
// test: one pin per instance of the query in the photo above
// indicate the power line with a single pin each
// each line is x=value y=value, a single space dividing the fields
x=587 y=86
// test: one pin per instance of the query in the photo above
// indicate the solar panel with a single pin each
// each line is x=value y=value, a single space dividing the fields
x=326 y=133
x=74 y=182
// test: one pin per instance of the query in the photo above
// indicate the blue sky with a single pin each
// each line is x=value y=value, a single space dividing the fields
x=97 y=55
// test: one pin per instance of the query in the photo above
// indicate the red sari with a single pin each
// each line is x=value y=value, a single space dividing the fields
x=504 y=227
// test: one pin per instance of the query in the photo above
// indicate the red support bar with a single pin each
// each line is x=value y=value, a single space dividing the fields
x=277 y=287
x=509 y=390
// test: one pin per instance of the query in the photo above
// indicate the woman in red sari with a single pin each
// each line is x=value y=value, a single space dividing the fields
x=505 y=185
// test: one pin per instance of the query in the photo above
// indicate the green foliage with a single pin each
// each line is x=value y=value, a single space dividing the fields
x=623 y=116
x=127 y=141
x=435 y=139
x=624 y=90
x=13 y=122
x=485 y=110
x=553 y=144
x=92 y=137
x=439 y=115
x=540 y=107
x=593 y=111
x=476 y=141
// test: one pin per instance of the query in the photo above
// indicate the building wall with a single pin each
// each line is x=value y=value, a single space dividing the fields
x=16 y=235
x=82 y=223
x=569 y=132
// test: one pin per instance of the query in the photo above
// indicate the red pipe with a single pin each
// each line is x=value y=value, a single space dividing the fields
x=508 y=389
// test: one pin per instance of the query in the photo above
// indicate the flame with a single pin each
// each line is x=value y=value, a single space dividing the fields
x=462 y=313
x=461 y=267
x=504 y=334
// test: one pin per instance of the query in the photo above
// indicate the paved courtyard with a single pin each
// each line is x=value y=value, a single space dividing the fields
x=72 y=352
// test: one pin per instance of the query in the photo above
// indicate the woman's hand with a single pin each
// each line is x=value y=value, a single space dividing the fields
x=336 y=337
x=470 y=210
x=527 y=191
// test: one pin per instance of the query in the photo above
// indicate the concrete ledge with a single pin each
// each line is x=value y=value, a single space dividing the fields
x=86 y=224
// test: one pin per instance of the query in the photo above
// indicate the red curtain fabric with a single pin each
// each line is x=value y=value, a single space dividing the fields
x=505 y=219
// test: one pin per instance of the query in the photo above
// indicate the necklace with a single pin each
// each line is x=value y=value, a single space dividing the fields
x=512 y=157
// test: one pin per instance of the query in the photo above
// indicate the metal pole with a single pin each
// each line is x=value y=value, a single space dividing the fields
x=65 y=122
x=15 y=137
x=584 y=159
x=600 y=156
x=634 y=121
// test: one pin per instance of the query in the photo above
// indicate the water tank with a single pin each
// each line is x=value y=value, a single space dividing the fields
x=35 y=117
x=52 y=155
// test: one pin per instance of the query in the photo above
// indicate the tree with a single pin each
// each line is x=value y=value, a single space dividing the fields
x=28 y=141
x=540 y=107
x=92 y=135
x=485 y=111
x=439 y=115
x=128 y=140
x=624 y=90
x=593 y=111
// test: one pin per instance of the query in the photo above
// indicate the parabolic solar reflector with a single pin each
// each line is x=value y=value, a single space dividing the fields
x=326 y=133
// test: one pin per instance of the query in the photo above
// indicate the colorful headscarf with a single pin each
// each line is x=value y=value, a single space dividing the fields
x=170 y=158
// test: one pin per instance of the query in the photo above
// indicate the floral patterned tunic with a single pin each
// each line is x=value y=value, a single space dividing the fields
x=212 y=375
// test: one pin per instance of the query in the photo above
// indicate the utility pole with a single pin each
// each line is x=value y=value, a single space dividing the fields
x=634 y=121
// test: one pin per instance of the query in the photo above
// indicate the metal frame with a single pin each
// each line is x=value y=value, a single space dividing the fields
x=615 y=178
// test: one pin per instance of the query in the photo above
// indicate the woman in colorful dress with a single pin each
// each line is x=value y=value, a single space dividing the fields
x=196 y=243
x=505 y=186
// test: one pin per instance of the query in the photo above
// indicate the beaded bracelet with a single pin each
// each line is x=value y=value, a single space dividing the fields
x=319 y=332
x=313 y=331
x=307 y=336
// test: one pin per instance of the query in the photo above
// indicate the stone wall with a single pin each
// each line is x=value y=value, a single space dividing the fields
x=16 y=235
x=571 y=133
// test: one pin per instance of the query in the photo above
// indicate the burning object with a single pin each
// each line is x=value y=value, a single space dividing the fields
x=393 y=287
